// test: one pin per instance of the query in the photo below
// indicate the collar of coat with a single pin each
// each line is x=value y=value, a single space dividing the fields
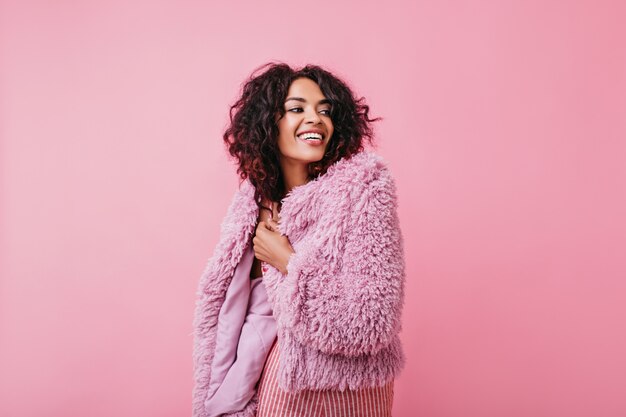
x=326 y=201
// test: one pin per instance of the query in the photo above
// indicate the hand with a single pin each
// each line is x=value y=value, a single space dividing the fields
x=270 y=246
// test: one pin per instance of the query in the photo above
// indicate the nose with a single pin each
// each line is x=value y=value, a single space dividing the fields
x=313 y=117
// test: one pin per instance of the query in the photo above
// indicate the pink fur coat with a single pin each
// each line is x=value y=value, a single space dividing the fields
x=338 y=309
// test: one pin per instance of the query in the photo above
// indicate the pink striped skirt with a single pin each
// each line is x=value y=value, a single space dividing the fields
x=366 y=402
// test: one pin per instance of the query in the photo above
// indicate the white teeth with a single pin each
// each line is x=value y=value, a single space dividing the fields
x=307 y=136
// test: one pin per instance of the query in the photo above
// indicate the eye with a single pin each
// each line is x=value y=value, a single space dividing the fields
x=299 y=109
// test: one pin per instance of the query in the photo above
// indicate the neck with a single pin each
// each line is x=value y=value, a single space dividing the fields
x=295 y=173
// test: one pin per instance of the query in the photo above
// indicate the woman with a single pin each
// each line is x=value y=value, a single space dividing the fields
x=298 y=310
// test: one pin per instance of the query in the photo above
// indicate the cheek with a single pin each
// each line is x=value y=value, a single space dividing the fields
x=285 y=137
x=287 y=126
x=331 y=129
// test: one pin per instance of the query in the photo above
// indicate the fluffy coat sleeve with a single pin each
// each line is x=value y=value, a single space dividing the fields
x=345 y=295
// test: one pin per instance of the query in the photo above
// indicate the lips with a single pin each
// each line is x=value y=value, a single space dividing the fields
x=320 y=131
x=312 y=141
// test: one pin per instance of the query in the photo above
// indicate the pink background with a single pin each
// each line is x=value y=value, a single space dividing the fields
x=504 y=125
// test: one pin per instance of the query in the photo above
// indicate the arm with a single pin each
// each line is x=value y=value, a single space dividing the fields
x=351 y=306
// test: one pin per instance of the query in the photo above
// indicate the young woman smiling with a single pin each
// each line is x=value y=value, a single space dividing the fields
x=299 y=308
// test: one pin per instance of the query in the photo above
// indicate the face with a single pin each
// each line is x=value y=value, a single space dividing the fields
x=305 y=111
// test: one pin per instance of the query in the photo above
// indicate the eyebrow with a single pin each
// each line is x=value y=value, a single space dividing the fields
x=323 y=101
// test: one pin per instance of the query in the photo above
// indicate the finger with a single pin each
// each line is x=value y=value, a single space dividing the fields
x=264 y=226
x=260 y=254
x=274 y=225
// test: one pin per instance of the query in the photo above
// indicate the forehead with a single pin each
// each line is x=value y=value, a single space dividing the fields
x=305 y=88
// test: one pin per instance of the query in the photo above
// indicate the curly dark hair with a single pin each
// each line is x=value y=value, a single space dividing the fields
x=251 y=137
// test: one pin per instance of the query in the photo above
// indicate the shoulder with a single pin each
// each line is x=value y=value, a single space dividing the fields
x=364 y=175
x=242 y=208
x=366 y=165
x=358 y=185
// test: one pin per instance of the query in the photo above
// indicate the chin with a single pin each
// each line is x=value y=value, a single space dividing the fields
x=318 y=156
x=306 y=155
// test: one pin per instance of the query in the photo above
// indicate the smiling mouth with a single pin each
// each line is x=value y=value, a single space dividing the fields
x=311 y=137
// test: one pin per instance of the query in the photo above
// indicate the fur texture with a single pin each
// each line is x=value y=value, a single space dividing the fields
x=338 y=308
